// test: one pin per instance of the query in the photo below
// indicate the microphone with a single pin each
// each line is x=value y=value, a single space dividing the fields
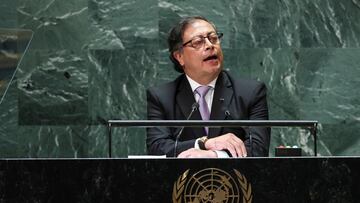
x=227 y=114
x=251 y=142
x=194 y=108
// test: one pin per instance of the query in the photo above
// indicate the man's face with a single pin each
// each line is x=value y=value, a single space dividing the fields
x=204 y=62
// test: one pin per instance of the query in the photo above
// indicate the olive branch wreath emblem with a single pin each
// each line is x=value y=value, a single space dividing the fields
x=179 y=186
x=245 y=187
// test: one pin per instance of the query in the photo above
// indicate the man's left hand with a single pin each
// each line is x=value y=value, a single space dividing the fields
x=228 y=142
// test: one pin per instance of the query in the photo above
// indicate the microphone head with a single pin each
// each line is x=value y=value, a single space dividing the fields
x=195 y=106
x=227 y=113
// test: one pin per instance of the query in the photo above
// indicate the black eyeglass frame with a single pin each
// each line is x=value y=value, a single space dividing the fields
x=219 y=35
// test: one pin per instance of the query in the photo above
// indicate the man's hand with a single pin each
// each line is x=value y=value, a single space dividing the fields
x=228 y=142
x=197 y=153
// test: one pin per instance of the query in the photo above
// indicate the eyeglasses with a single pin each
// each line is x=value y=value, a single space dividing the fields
x=198 y=41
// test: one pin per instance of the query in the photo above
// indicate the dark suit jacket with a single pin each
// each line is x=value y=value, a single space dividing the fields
x=241 y=99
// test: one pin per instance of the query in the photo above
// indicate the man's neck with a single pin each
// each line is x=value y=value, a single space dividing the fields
x=204 y=80
x=195 y=84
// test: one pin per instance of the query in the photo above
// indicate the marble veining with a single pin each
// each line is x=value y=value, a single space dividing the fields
x=92 y=60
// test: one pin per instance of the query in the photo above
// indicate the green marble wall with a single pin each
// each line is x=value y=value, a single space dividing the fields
x=91 y=60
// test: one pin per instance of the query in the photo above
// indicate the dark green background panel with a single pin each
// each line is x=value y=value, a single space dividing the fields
x=92 y=60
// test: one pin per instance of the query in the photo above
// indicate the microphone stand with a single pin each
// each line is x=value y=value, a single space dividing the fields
x=194 y=107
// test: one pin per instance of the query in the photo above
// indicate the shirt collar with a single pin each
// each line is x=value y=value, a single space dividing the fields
x=195 y=85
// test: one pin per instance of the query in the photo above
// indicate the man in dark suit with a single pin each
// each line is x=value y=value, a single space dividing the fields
x=195 y=50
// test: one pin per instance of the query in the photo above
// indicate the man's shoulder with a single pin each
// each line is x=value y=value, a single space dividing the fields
x=166 y=87
x=246 y=88
x=244 y=82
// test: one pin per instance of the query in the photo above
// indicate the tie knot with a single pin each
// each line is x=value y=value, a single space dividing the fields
x=202 y=90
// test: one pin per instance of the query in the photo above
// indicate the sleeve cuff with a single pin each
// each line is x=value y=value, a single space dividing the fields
x=196 y=145
x=221 y=154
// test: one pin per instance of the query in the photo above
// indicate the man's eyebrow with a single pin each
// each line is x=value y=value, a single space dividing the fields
x=203 y=35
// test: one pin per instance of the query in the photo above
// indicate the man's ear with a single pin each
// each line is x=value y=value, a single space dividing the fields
x=179 y=57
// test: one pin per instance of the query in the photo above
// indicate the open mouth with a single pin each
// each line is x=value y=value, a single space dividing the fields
x=212 y=57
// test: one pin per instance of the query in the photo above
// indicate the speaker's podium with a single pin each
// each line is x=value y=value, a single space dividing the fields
x=312 y=179
x=275 y=179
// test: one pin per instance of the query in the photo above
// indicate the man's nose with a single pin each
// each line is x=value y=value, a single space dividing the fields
x=208 y=44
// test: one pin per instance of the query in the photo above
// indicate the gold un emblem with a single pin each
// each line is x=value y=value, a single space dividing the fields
x=211 y=185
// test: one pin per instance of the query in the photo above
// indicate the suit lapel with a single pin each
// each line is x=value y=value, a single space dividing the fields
x=221 y=101
x=185 y=99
